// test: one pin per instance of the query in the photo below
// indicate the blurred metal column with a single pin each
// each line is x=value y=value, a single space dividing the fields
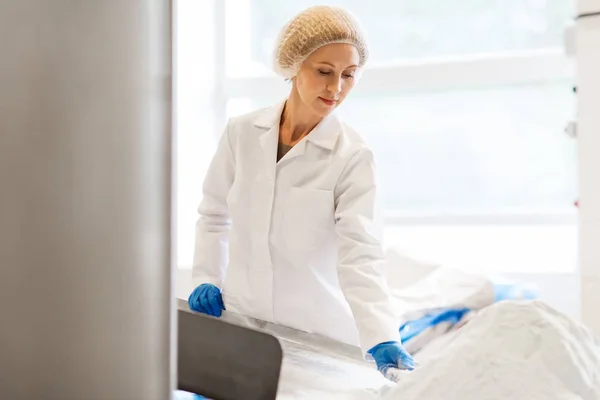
x=85 y=198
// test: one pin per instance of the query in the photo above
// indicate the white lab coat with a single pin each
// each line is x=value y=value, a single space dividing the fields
x=296 y=242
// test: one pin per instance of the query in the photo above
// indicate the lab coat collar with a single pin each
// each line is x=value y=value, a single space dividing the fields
x=325 y=134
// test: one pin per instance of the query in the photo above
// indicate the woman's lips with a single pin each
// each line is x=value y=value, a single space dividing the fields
x=327 y=101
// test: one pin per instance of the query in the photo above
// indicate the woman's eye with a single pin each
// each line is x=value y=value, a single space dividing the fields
x=347 y=76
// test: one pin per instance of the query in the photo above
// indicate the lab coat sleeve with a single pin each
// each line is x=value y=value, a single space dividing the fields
x=212 y=228
x=361 y=258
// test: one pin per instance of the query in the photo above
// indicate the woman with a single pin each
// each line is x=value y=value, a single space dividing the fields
x=288 y=227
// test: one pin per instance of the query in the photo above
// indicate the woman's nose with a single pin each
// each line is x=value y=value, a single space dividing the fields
x=335 y=86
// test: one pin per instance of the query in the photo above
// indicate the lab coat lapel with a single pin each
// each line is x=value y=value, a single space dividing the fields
x=268 y=143
x=296 y=151
x=324 y=135
x=268 y=120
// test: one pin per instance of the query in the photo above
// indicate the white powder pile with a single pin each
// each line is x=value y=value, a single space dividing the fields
x=511 y=350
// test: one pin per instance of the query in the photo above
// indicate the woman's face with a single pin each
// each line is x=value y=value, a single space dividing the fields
x=327 y=76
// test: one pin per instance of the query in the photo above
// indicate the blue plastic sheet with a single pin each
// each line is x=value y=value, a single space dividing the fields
x=453 y=316
x=411 y=329
x=181 y=395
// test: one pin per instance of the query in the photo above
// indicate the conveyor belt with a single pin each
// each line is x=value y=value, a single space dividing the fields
x=314 y=367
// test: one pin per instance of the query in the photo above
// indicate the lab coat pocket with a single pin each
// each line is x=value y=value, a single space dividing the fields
x=308 y=216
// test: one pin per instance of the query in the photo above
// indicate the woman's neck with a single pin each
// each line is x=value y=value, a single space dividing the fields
x=296 y=120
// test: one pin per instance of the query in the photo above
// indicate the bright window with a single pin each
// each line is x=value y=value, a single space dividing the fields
x=400 y=30
x=470 y=151
x=194 y=116
x=464 y=104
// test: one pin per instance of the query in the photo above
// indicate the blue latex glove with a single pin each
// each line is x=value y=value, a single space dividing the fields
x=206 y=299
x=391 y=358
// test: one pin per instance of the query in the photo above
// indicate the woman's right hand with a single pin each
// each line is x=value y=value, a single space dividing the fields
x=392 y=360
x=206 y=299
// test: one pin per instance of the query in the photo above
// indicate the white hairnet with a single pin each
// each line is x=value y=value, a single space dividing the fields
x=313 y=28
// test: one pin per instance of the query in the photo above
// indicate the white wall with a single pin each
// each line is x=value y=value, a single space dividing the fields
x=588 y=131
x=588 y=6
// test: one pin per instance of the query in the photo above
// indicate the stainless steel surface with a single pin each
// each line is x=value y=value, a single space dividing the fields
x=85 y=199
x=225 y=361
x=316 y=367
